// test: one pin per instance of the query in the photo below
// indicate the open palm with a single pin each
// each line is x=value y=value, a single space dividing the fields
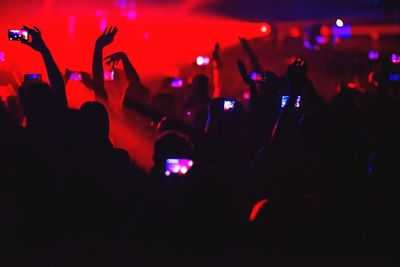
x=107 y=37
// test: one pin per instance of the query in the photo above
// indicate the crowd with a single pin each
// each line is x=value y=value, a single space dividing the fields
x=289 y=180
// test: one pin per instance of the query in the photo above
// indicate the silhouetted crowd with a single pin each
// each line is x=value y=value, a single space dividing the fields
x=285 y=180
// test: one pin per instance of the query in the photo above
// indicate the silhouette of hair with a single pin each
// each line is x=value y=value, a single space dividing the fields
x=172 y=145
x=94 y=121
x=38 y=102
x=201 y=85
x=167 y=124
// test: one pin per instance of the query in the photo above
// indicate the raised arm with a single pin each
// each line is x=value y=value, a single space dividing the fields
x=254 y=105
x=53 y=72
x=131 y=74
x=137 y=93
x=287 y=122
x=249 y=51
x=97 y=66
x=216 y=65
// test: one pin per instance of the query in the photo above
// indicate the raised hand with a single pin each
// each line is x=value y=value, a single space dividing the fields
x=296 y=75
x=243 y=72
x=298 y=69
x=245 y=44
x=216 y=56
x=53 y=72
x=114 y=59
x=37 y=42
x=249 y=51
x=107 y=37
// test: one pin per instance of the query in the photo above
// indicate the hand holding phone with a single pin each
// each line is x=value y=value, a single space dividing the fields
x=37 y=43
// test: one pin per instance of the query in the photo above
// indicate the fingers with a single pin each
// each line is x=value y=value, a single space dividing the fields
x=114 y=56
x=26 y=42
x=109 y=61
x=112 y=62
x=31 y=31
x=110 y=30
x=243 y=71
x=114 y=31
x=26 y=28
x=37 y=29
x=105 y=30
x=108 y=57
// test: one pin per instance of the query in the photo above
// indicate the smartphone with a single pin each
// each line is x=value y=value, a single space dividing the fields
x=33 y=77
x=258 y=76
x=373 y=55
x=229 y=105
x=18 y=35
x=394 y=77
x=395 y=58
x=75 y=76
x=177 y=166
x=176 y=83
x=285 y=100
x=109 y=76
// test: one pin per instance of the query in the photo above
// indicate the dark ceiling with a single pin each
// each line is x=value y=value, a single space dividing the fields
x=284 y=10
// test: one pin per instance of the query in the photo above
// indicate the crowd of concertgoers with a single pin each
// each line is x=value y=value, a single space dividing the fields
x=266 y=185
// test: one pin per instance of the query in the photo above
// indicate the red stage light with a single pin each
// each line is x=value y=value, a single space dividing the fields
x=265 y=28
x=325 y=30
x=294 y=32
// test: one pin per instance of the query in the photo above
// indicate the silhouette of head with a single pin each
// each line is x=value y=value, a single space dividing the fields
x=201 y=85
x=171 y=145
x=94 y=122
x=38 y=102
x=167 y=124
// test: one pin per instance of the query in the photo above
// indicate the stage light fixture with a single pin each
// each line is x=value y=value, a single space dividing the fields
x=265 y=28
x=339 y=23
